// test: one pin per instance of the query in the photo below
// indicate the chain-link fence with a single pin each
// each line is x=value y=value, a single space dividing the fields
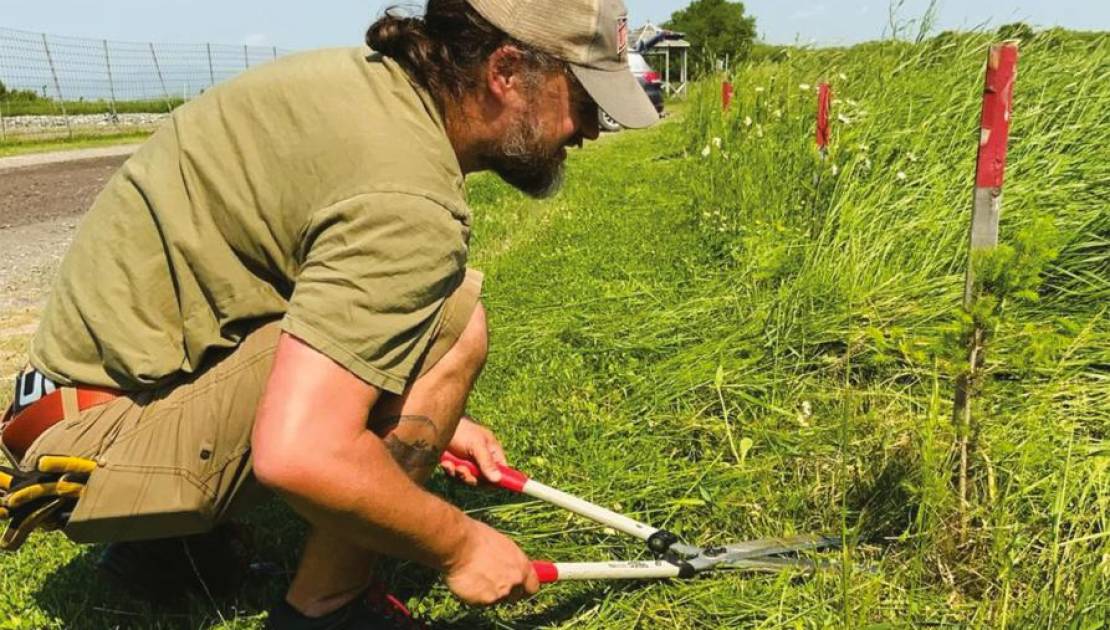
x=52 y=86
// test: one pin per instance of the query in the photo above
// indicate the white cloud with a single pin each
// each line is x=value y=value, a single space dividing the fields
x=257 y=39
x=809 y=12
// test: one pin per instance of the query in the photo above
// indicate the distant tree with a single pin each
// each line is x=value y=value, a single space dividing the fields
x=3 y=90
x=716 y=27
x=1016 y=30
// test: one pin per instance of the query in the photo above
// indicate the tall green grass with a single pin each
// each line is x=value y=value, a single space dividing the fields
x=854 y=277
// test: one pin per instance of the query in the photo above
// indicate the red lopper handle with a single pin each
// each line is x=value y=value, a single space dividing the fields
x=511 y=479
x=546 y=571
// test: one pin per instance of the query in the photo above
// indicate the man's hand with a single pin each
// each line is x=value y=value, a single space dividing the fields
x=474 y=441
x=490 y=569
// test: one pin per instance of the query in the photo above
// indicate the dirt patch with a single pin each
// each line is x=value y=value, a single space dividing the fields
x=35 y=194
x=40 y=207
x=29 y=256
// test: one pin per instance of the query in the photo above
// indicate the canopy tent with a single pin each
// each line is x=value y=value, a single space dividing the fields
x=662 y=49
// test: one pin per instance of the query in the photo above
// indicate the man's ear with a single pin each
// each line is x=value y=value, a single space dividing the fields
x=504 y=79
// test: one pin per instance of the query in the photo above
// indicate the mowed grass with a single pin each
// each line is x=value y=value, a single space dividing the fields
x=701 y=333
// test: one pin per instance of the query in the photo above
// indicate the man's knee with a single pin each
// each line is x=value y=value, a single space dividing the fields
x=467 y=356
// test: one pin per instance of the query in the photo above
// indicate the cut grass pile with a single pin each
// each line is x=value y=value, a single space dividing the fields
x=698 y=333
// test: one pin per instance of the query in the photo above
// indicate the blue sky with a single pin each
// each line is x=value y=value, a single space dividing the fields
x=297 y=24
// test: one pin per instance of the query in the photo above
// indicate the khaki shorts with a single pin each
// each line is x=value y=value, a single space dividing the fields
x=176 y=461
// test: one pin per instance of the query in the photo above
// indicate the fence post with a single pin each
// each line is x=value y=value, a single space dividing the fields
x=246 y=58
x=275 y=53
x=111 y=84
x=211 y=72
x=57 y=85
x=994 y=134
x=3 y=125
x=161 y=79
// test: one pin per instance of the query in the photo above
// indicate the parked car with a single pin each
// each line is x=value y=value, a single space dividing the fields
x=649 y=80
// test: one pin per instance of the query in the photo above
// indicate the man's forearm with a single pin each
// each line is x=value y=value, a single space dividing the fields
x=358 y=492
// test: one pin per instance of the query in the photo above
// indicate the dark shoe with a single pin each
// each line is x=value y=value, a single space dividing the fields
x=375 y=609
x=212 y=565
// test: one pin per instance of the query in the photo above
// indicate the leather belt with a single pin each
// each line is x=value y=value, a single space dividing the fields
x=24 y=427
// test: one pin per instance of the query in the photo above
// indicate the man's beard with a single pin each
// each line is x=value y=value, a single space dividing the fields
x=526 y=162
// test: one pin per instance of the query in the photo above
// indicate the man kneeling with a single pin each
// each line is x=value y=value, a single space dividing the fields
x=273 y=292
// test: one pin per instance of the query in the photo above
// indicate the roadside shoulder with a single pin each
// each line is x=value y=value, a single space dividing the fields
x=56 y=157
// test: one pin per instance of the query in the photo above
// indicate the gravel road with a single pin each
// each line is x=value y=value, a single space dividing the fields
x=40 y=207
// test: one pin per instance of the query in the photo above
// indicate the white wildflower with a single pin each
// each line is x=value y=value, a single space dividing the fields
x=717 y=142
x=911 y=157
x=805 y=87
x=778 y=113
x=844 y=119
x=842 y=76
x=759 y=89
x=835 y=170
x=747 y=121
x=759 y=131
x=901 y=175
x=805 y=413
x=706 y=151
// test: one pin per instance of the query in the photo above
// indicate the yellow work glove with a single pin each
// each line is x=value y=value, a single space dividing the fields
x=40 y=499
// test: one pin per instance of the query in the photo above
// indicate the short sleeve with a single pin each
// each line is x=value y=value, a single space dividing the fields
x=375 y=272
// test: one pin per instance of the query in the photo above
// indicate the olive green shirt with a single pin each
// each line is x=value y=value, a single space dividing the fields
x=321 y=189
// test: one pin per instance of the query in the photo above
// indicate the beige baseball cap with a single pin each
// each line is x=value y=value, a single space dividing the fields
x=591 y=36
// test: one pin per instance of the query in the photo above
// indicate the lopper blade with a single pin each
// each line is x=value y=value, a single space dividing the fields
x=764 y=553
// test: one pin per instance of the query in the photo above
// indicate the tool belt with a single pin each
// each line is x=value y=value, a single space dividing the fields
x=44 y=496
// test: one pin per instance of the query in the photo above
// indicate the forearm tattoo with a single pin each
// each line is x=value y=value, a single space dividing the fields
x=413 y=442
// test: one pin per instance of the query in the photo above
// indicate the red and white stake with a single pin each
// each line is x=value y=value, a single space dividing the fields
x=726 y=96
x=994 y=135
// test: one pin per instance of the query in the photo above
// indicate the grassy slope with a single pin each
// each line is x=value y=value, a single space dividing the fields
x=716 y=345
x=50 y=107
x=26 y=147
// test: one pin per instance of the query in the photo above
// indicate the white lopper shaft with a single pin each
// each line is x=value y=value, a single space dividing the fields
x=589 y=510
x=615 y=570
